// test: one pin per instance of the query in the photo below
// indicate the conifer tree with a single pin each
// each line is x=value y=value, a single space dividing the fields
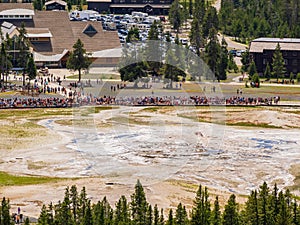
x=212 y=51
x=252 y=69
x=122 y=213
x=149 y=216
x=138 y=205
x=43 y=218
x=264 y=211
x=170 y=220
x=181 y=215
x=268 y=72
x=78 y=59
x=155 y=215
x=74 y=203
x=223 y=62
x=161 y=218
x=201 y=208
x=176 y=15
x=216 y=218
x=278 y=63
x=5 y=215
x=251 y=213
x=231 y=213
x=87 y=219
x=23 y=46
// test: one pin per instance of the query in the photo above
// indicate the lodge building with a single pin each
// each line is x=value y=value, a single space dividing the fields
x=262 y=50
x=52 y=34
x=152 y=7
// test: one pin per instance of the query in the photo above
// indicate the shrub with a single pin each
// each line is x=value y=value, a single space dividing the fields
x=298 y=77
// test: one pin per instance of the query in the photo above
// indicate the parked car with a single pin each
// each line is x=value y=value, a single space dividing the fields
x=232 y=52
x=239 y=53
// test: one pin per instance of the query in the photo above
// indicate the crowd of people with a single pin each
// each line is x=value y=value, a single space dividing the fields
x=80 y=100
x=32 y=102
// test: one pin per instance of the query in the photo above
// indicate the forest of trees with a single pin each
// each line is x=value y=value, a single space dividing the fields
x=264 y=206
x=249 y=19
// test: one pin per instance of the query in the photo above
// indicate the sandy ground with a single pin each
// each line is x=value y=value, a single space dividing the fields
x=170 y=153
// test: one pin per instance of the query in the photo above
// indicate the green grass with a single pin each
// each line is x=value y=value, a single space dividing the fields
x=215 y=121
x=33 y=113
x=248 y=124
x=85 y=111
x=7 y=179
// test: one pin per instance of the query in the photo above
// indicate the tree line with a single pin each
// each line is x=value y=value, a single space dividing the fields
x=203 y=35
x=264 y=206
x=249 y=19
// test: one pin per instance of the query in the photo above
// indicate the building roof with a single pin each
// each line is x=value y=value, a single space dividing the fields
x=111 y=53
x=98 y=41
x=38 y=32
x=261 y=44
x=161 y=6
x=65 y=33
x=49 y=58
x=19 y=11
x=98 y=1
x=7 y=6
x=7 y=28
x=56 y=1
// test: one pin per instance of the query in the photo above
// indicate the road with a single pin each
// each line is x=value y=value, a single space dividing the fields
x=231 y=44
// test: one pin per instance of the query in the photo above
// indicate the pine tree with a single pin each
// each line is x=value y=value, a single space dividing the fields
x=23 y=47
x=74 y=203
x=155 y=215
x=31 y=69
x=252 y=69
x=149 y=216
x=5 y=215
x=78 y=58
x=251 y=213
x=43 y=218
x=170 y=220
x=278 y=63
x=268 y=72
x=176 y=15
x=210 y=21
x=212 y=51
x=245 y=60
x=201 y=208
x=27 y=222
x=181 y=215
x=161 y=218
x=216 y=218
x=191 y=7
x=265 y=214
x=139 y=205
x=196 y=37
x=231 y=213
x=122 y=213
x=223 y=61
x=87 y=219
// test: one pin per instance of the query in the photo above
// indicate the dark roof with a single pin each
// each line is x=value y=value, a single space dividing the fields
x=167 y=6
x=7 y=6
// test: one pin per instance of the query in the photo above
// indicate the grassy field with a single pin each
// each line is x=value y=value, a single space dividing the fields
x=13 y=180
